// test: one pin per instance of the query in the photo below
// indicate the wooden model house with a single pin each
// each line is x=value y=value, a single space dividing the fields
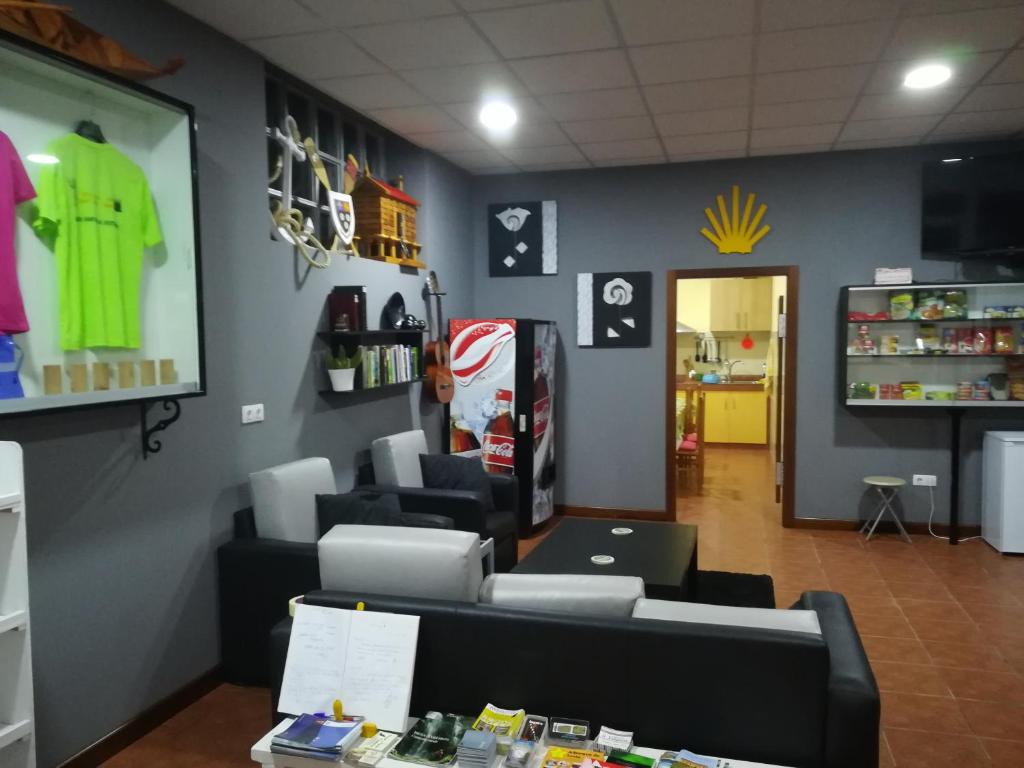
x=386 y=221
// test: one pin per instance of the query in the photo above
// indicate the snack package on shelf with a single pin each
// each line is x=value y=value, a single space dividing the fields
x=965 y=341
x=955 y=307
x=983 y=341
x=1015 y=377
x=901 y=305
x=1002 y=340
x=929 y=304
x=861 y=390
x=928 y=338
x=912 y=390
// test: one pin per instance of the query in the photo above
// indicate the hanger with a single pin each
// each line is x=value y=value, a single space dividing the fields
x=87 y=129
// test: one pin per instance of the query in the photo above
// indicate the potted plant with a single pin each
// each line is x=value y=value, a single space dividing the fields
x=342 y=369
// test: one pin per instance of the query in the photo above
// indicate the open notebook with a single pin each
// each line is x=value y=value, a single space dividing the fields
x=366 y=659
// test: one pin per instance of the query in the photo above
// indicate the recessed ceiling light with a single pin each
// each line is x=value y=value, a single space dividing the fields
x=42 y=159
x=952 y=159
x=927 y=76
x=498 y=115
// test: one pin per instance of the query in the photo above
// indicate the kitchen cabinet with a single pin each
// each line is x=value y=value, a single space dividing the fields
x=732 y=416
x=741 y=304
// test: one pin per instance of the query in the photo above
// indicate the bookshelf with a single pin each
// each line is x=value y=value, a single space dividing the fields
x=17 y=747
x=351 y=340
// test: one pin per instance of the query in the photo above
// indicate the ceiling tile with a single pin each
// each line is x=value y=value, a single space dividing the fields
x=479 y=158
x=694 y=60
x=698 y=95
x=448 y=141
x=919 y=7
x=543 y=155
x=792 y=136
x=620 y=150
x=539 y=30
x=825 y=83
x=407 y=120
x=248 y=19
x=572 y=165
x=802 y=113
x=800 y=149
x=1010 y=70
x=467 y=113
x=490 y=5
x=644 y=22
x=893 y=128
x=542 y=135
x=439 y=42
x=614 y=129
x=575 y=72
x=706 y=142
x=350 y=13
x=590 y=105
x=693 y=157
x=705 y=121
x=907 y=103
x=372 y=91
x=475 y=82
x=995 y=122
x=795 y=14
x=931 y=36
x=905 y=141
x=821 y=47
x=314 y=56
x=1003 y=96
x=628 y=163
x=967 y=70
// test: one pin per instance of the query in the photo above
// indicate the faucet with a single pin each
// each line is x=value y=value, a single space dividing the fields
x=728 y=369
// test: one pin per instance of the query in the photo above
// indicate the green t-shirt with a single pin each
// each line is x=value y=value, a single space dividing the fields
x=104 y=216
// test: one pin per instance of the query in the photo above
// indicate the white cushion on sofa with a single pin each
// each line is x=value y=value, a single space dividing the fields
x=699 y=613
x=396 y=458
x=284 y=498
x=405 y=562
x=582 y=594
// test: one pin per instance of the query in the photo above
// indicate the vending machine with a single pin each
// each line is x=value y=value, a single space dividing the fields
x=503 y=408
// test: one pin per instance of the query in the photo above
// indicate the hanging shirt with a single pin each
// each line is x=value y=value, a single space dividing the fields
x=14 y=188
x=104 y=216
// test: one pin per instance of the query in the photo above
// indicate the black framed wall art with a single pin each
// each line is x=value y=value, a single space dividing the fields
x=522 y=239
x=613 y=309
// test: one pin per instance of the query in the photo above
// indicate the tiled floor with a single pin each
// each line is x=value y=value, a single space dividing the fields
x=943 y=627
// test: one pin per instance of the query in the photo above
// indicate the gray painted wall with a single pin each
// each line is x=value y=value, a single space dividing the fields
x=836 y=216
x=122 y=568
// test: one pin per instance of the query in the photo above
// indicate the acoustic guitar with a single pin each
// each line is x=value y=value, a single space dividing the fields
x=440 y=383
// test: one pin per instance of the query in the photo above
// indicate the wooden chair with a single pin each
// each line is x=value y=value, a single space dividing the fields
x=690 y=462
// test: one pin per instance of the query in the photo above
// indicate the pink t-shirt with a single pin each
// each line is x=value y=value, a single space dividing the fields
x=14 y=188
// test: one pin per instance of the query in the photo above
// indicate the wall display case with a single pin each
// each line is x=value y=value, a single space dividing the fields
x=948 y=345
x=100 y=298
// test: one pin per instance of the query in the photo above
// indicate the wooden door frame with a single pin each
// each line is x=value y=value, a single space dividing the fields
x=792 y=275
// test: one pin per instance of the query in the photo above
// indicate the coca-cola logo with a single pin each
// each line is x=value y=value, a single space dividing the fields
x=498 y=449
x=476 y=347
x=541 y=416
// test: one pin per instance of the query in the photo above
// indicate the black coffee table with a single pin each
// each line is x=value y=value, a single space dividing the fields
x=664 y=555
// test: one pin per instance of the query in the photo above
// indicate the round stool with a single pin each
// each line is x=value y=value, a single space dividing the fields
x=887 y=488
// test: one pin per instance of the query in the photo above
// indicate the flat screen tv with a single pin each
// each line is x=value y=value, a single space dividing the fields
x=974 y=206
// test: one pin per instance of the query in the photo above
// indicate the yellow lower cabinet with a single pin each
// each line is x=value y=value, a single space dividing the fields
x=716 y=416
x=748 y=418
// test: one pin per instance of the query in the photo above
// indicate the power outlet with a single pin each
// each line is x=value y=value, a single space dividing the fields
x=252 y=413
x=928 y=480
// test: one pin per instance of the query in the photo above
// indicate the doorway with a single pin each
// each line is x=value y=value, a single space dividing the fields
x=730 y=416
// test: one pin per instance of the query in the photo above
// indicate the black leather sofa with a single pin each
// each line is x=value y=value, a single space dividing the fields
x=258 y=576
x=769 y=696
x=469 y=510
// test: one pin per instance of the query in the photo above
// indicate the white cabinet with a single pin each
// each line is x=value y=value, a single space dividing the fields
x=17 y=746
x=1002 y=519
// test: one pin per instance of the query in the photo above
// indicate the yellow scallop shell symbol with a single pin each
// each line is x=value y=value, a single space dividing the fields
x=733 y=235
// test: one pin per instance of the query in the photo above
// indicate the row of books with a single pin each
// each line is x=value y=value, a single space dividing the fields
x=390 y=364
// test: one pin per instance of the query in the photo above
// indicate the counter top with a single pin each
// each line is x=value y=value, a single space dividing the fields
x=734 y=386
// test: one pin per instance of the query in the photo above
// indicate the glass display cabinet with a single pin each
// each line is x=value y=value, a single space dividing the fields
x=100 y=298
x=949 y=345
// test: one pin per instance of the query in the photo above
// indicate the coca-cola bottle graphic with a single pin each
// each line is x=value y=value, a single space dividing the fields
x=498 y=449
x=541 y=399
x=462 y=438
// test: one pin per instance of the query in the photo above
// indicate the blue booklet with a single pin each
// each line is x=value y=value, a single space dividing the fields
x=315 y=735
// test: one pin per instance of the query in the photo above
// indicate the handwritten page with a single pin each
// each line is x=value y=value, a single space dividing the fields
x=366 y=659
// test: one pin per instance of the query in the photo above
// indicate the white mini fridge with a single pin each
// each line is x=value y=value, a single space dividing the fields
x=1002 y=491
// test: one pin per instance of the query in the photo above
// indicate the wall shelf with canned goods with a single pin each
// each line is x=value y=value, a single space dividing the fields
x=954 y=345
